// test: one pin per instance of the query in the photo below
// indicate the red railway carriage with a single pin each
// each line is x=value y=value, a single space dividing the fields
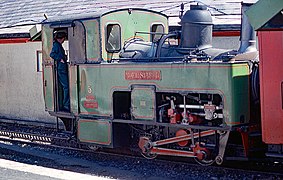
x=269 y=24
x=271 y=75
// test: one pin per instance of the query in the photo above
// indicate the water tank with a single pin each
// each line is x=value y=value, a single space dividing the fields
x=196 y=28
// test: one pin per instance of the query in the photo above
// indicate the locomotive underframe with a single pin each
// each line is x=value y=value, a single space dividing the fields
x=203 y=138
x=178 y=124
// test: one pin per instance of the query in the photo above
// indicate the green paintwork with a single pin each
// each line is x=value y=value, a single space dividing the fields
x=95 y=131
x=143 y=102
x=73 y=75
x=261 y=12
x=92 y=40
x=230 y=80
x=48 y=88
x=47 y=41
x=48 y=72
x=138 y=20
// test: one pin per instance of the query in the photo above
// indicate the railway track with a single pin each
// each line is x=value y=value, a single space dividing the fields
x=50 y=137
x=37 y=135
x=123 y=163
x=54 y=138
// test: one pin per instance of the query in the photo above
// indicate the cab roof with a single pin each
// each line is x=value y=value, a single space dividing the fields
x=93 y=15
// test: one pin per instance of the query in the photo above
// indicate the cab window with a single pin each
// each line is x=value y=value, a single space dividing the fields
x=158 y=29
x=113 y=38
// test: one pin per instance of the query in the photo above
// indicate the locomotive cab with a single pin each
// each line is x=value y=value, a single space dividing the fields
x=92 y=40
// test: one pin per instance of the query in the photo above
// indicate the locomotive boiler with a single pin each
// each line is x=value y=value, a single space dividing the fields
x=134 y=84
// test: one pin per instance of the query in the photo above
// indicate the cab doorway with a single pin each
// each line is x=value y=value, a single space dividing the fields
x=59 y=53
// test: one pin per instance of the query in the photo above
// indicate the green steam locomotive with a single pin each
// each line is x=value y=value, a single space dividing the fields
x=134 y=84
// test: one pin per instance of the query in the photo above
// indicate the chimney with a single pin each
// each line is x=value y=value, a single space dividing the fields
x=248 y=36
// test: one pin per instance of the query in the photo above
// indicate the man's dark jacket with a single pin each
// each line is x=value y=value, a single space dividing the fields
x=57 y=54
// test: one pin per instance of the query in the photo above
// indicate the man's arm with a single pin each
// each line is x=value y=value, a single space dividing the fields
x=55 y=53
